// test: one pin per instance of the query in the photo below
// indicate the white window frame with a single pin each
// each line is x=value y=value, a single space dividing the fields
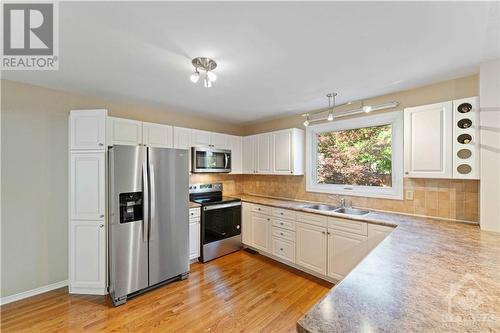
x=390 y=118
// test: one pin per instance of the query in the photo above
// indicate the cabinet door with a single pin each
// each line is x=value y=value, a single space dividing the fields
x=264 y=153
x=200 y=138
x=236 y=154
x=87 y=257
x=87 y=129
x=428 y=141
x=182 y=138
x=261 y=232
x=157 y=135
x=194 y=240
x=219 y=140
x=124 y=132
x=376 y=234
x=246 y=223
x=87 y=186
x=311 y=247
x=249 y=154
x=345 y=251
x=283 y=159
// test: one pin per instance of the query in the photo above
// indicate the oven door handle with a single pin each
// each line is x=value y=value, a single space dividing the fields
x=222 y=206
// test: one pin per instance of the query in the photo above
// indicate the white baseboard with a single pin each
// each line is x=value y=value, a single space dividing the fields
x=33 y=292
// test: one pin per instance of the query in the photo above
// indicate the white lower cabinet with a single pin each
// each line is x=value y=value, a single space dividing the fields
x=194 y=233
x=260 y=227
x=345 y=251
x=329 y=247
x=87 y=271
x=311 y=247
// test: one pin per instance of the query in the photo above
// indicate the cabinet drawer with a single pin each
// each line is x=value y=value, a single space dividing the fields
x=313 y=219
x=282 y=233
x=286 y=224
x=355 y=227
x=194 y=212
x=261 y=209
x=284 y=249
x=284 y=213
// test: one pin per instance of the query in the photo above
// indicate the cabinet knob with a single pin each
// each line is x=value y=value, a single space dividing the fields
x=101 y=144
x=328 y=232
x=281 y=213
x=282 y=223
x=281 y=249
x=101 y=216
x=407 y=173
x=101 y=226
x=268 y=219
x=281 y=233
x=323 y=232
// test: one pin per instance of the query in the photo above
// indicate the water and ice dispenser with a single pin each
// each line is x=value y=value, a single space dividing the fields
x=130 y=207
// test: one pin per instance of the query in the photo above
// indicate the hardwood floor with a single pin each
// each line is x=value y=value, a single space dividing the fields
x=240 y=292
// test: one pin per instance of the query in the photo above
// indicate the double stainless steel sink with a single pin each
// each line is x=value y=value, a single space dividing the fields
x=341 y=210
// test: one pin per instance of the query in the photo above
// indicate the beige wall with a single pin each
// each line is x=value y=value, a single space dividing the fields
x=34 y=130
x=439 y=92
x=457 y=200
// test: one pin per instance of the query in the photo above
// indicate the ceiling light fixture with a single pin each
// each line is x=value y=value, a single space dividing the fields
x=306 y=122
x=330 y=107
x=207 y=65
x=343 y=111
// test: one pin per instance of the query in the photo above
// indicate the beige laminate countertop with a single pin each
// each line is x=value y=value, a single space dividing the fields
x=194 y=205
x=426 y=276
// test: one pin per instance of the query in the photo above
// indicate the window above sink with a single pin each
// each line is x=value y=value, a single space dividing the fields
x=361 y=156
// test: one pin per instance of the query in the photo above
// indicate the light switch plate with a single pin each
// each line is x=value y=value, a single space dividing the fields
x=409 y=195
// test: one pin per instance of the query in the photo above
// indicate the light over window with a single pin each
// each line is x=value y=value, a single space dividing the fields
x=360 y=156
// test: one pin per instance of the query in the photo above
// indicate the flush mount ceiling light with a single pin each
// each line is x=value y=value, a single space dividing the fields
x=206 y=65
x=359 y=107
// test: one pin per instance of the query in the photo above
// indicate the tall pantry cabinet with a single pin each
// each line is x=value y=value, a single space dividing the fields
x=87 y=202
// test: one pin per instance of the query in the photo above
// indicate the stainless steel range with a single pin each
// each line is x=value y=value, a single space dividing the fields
x=220 y=220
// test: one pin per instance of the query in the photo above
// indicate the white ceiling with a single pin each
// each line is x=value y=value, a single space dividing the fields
x=274 y=59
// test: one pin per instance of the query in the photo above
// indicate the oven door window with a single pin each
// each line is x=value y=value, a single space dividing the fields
x=212 y=160
x=221 y=223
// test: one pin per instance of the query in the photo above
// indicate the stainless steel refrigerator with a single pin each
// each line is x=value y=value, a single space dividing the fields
x=149 y=218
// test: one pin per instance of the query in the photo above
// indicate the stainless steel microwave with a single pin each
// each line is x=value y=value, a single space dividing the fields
x=210 y=160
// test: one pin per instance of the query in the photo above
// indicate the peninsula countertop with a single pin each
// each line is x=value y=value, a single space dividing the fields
x=426 y=276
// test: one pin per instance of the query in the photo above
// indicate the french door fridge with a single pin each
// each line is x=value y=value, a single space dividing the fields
x=149 y=218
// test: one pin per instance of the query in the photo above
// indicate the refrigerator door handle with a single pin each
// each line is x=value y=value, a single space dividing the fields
x=145 y=202
x=152 y=202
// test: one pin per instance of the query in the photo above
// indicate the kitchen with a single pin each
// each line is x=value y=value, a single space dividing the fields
x=201 y=208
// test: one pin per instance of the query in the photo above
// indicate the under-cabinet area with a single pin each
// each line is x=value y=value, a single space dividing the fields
x=325 y=246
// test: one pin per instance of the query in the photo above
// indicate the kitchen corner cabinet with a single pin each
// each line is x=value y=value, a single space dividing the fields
x=87 y=252
x=124 y=132
x=345 y=251
x=87 y=129
x=428 y=141
x=276 y=153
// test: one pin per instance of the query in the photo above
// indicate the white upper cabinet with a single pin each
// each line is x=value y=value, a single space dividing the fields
x=87 y=186
x=182 y=138
x=235 y=145
x=200 y=138
x=157 y=135
x=428 y=141
x=265 y=153
x=249 y=152
x=219 y=140
x=278 y=153
x=87 y=129
x=124 y=132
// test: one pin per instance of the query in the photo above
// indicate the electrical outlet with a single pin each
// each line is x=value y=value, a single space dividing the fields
x=409 y=195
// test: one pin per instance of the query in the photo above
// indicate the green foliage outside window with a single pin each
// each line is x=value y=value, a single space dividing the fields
x=361 y=156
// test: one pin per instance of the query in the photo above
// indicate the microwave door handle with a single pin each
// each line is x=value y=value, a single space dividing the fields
x=226 y=160
x=152 y=201
x=145 y=201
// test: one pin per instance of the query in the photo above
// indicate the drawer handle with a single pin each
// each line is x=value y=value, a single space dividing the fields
x=281 y=249
x=258 y=208
x=282 y=223
x=281 y=213
x=268 y=219
x=281 y=233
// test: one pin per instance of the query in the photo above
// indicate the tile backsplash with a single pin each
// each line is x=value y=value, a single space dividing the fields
x=442 y=198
